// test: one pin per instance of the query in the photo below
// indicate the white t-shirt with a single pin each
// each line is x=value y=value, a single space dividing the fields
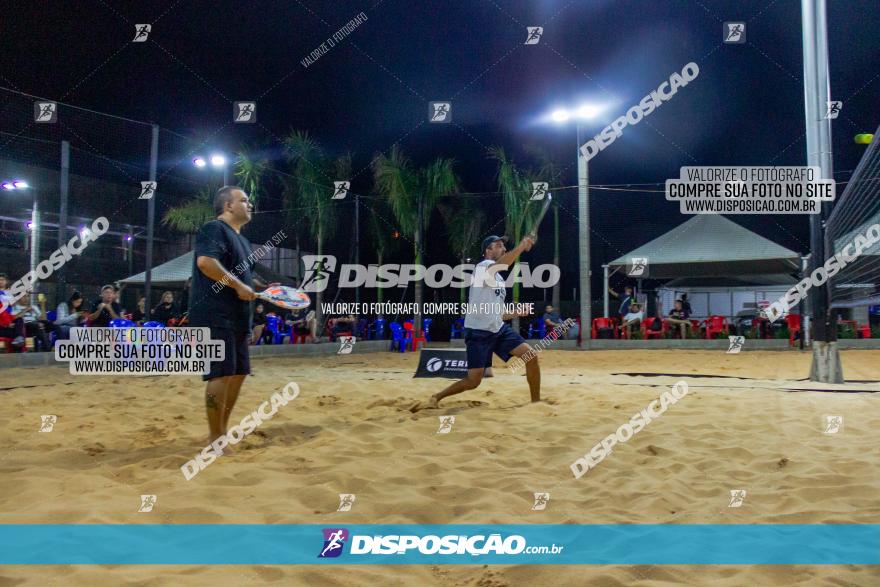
x=32 y=314
x=633 y=316
x=485 y=303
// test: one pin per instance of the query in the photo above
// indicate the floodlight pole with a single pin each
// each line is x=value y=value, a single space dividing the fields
x=357 y=243
x=826 y=360
x=61 y=288
x=151 y=221
x=584 y=244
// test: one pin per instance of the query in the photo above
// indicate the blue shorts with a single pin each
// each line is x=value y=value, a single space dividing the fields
x=482 y=343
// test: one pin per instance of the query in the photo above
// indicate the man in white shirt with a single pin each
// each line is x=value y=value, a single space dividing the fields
x=485 y=332
x=35 y=323
x=632 y=320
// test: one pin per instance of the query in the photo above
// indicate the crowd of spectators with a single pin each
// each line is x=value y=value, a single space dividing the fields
x=297 y=323
x=28 y=318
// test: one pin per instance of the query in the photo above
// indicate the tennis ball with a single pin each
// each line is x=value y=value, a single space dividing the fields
x=864 y=139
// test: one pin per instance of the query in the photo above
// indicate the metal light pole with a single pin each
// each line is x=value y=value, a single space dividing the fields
x=584 y=244
x=826 y=360
x=585 y=111
x=61 y=287
x=357 y=242
x=35 y=237
x=151 y=221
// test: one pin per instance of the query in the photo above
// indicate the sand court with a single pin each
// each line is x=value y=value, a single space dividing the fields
x=350 y=432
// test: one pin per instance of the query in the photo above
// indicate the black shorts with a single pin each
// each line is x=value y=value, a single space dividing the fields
x=482 y=343
x=236 y=360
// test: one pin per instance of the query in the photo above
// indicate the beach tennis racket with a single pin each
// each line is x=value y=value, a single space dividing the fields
x=541 y=214
x=285 y=297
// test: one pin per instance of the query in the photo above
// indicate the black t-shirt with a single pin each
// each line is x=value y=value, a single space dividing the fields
x=259 y=318
x=104 y=317
x=213 y=305
x=184 y=301
x=163 y=313
x=679 y=314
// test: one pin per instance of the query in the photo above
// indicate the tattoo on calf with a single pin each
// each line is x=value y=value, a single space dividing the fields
x=211 y=401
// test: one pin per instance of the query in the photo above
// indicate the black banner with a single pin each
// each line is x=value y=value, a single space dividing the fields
x=450 y=363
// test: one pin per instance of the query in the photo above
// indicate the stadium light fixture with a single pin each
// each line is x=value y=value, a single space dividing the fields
x=582 y=112
x=15 y=184
x=588 y=111
x=217 y=160
x=560 y=115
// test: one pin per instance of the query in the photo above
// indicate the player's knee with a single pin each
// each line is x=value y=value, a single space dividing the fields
x=473 y=382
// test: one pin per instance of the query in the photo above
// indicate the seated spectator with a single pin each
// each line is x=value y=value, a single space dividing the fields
x=344 y=324
x=166 y=309
x=678 y=316
x=69 y=314
x=35 y=323
x=551 y=318
x=10 y=326
x=259 y=324
x=310 y=327
x=632 y=320
x=140 y=313
x=300 y=322
x=105 y=309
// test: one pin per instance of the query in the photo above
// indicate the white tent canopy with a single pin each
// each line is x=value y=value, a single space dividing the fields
x=711 y=253
x=175 y=272
x=709 y=245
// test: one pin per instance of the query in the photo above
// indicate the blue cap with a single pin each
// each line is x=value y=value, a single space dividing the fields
x=487 y=242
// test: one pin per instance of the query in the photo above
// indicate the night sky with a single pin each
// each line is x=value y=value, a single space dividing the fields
x=373 y=87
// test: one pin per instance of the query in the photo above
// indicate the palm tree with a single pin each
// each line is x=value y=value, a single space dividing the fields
x=249 y=171
x=310 y=193
x=521 y=212
x=189 y=216
x=412 y=194
x=466 y=224
x=380 y=232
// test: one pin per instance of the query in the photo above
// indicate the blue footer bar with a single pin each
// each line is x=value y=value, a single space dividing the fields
x=172 y=544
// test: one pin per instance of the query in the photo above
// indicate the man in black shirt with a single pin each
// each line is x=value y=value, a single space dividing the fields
x=105 y=309
x=678 y=316
x=222 y=288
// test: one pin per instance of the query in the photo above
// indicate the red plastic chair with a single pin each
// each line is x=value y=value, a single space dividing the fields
x=413 y=340
x=716 y=325
x=761 y=327
x=624 y=332
x=647 y=333
x=794 y=327
x=599 y=323
x=864 y=331
x=7 y=342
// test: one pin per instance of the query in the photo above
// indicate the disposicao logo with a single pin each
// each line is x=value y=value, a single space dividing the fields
x=334 y=541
